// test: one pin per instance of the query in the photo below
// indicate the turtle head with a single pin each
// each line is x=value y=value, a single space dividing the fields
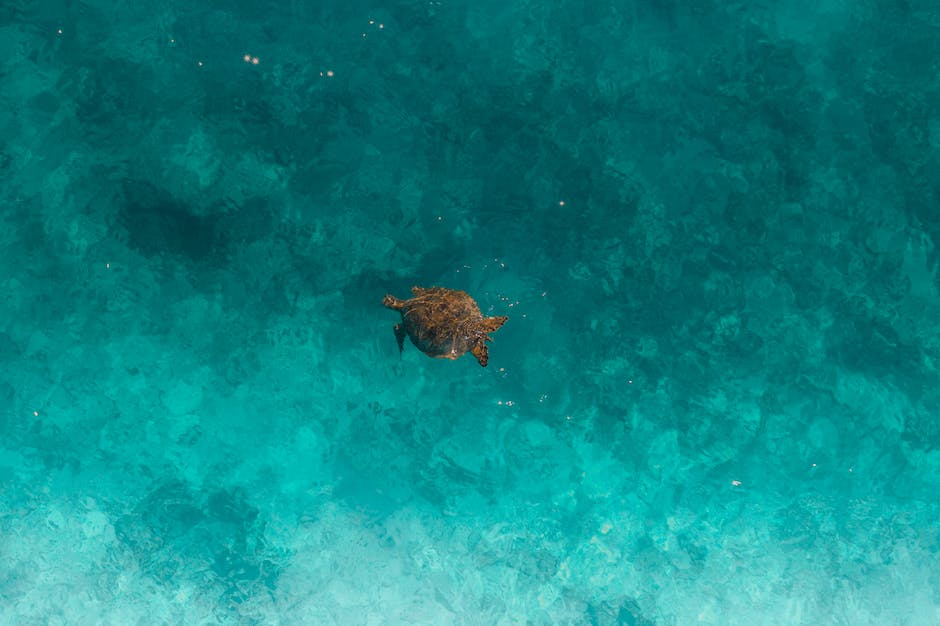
x=492 y=324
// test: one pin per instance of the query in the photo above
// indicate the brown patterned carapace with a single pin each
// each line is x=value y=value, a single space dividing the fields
x=443 y=323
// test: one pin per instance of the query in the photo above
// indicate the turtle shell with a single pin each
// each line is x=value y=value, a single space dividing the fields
x=444 y=323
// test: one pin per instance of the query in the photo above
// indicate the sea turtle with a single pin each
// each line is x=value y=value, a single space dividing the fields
x=443 y=323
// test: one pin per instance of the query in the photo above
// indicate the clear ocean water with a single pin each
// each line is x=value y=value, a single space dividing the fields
x=714 y=227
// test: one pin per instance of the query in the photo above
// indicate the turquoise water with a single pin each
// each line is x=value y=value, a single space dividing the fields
x=713 y=226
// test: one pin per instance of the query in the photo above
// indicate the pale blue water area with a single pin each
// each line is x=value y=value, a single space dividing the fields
x=714 y=229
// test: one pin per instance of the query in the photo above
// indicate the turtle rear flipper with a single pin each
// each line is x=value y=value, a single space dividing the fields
x=400 y=333
x=392 y=302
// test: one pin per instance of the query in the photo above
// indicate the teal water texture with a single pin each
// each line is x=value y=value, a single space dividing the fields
x=713 y=226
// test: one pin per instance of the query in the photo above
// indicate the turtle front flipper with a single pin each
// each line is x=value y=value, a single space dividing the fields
x=481 y=353
x=400 y=333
